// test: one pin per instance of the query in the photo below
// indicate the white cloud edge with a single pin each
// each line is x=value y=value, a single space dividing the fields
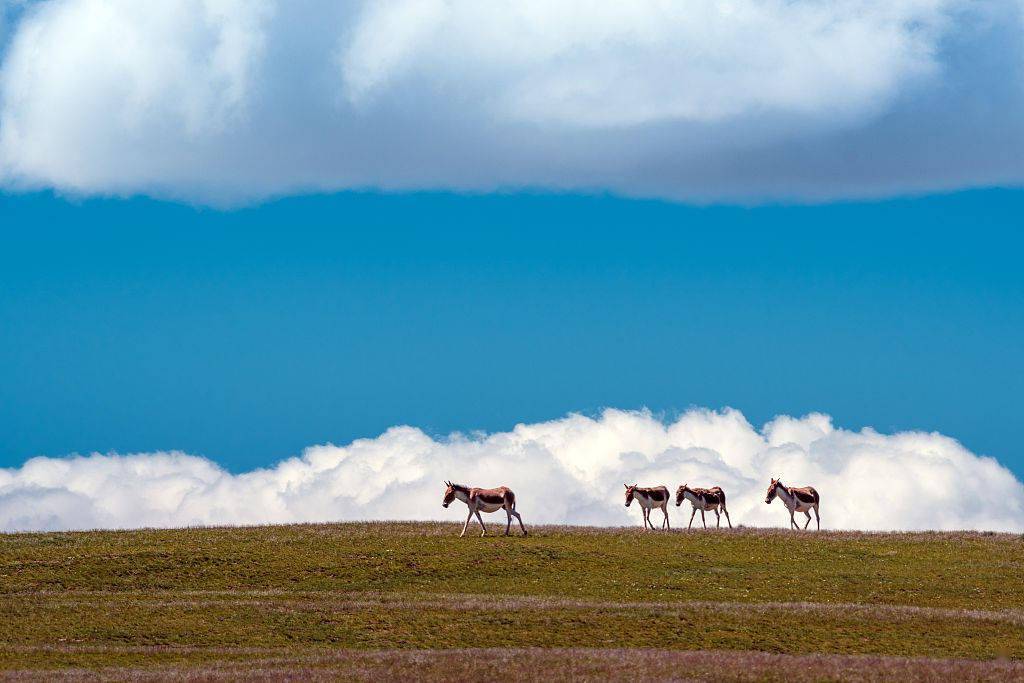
x=565 y=471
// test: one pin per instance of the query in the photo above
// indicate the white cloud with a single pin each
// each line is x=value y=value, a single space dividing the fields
x=225 y=100
x=564 y=471
x=231 y=100
x=579 y=63
x=119 y=94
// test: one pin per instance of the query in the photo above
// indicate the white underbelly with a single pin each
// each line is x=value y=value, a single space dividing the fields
x=489 y=507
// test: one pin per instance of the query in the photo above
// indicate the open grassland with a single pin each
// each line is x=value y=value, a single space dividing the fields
x=414 y=600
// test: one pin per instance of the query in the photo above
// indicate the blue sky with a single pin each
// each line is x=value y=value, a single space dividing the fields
x=136 y=325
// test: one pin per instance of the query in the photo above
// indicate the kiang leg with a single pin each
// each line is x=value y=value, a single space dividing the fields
x=508 y=526
x=808 y=522
x=702 y=519
x=664 y=509
x=520 y=519
x=792 y=521
x=466 y=525
x=727 y=516
x=483 y=529
x=690 y=526
x=718 y=518
x=817 y=518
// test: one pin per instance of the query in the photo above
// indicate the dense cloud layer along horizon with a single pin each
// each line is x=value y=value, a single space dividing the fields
x=569 y=470
x=230 y=101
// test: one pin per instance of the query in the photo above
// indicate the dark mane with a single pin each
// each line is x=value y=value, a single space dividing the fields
x=460 y=487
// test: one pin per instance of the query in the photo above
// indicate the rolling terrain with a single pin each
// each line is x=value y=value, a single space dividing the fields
x=412 y=599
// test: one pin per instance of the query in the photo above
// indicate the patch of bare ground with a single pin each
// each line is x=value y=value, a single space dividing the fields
x=554 y=664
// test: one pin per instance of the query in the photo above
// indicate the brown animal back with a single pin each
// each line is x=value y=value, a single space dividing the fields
x=490 y=496
x=709 y=496
x=805 y=494
x=658 y=493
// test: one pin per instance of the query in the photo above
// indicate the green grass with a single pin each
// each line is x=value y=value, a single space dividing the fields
x=209 y=597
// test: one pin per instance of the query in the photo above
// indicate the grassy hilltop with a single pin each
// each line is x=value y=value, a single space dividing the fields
x=367 y=600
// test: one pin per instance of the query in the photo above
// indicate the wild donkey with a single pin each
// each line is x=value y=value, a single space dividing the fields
x=796 y=499
x=649 y=498
x=704 y=499
x=488 y=500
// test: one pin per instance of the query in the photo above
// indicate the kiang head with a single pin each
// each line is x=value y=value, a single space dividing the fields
x=680 y=494
x=449 y=494
x=629 y=493
x=776 y=483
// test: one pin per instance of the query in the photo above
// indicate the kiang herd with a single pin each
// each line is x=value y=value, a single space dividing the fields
x=795 y=498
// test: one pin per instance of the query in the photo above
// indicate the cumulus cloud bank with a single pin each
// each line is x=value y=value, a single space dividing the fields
x=232 y=100
x=569 y=470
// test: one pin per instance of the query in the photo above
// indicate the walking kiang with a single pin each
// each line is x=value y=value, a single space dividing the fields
x=649 y=498
x=486 y=500
x=705 y=500
x=796 y=499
